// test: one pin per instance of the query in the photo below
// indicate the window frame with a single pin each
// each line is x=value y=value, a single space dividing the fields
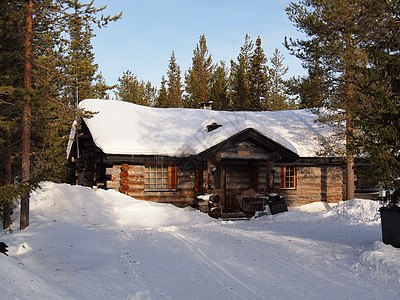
x=288 y=181
x=165 y=179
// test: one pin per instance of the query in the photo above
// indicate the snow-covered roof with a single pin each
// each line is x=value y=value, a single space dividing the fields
x=124 y=128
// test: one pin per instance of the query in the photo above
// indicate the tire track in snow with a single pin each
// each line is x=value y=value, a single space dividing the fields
x=217 y=268
x=297 y=269
x=143 y=286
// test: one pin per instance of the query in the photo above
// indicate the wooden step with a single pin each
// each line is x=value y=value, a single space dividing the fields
x=236 y=216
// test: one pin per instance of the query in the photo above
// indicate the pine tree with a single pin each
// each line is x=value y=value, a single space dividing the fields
x=28 y=43
x=32 y=88
x=56 y=101
x=278 y=93
x=150 y=93
x=378 y=112
x=239 y=77
x=63 y=58
x=80 y=65
x=130 y=89
x=101 y=88
x=334 y=37
x=219 y=87
x=311 y=89
x=198 y=77
x=11 y=82
x=175 y=88
x=26 y=116
x=259 y=80
x=162 y=99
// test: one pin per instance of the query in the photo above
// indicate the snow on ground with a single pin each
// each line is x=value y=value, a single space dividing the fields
x=86 y=244
x=313 y=207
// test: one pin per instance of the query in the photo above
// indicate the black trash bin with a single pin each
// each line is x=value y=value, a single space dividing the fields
x=390 y=221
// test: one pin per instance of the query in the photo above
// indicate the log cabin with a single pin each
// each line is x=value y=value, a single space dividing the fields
x=173 y=155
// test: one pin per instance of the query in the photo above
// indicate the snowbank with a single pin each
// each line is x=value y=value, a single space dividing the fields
x=87 y=244
x=352 y=212
x=107 y=208
x=384 y=258
x=356 y=211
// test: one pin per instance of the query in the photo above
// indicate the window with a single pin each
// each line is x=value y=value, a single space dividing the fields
x=160 y=177
x=288 y=177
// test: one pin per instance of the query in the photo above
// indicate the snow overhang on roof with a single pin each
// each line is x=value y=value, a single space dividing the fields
x=71 y=138
x=129 y=129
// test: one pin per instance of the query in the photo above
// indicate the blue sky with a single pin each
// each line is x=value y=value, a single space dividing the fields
x=143 y=40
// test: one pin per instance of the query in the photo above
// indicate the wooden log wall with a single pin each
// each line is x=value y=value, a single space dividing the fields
x=89 y=169
x=130 y=180
x=238 y=178
x=314 y=183
x=262 y=177
x=246 y=175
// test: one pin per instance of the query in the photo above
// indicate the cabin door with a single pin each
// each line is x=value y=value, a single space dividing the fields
x=220 y=181
x=238 y=179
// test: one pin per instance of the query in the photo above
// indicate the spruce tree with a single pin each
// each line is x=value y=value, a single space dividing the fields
x=278 y=95
x=198 y=77
x=150 y=93
x=219 y=87
x=239 y=77
x=259 y=80
x=162 y=98
x=175 y=88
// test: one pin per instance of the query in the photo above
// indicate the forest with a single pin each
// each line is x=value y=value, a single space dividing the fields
x=251 y=82
x=351 y=53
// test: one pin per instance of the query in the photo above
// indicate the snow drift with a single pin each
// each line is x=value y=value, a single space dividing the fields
x=87 y=244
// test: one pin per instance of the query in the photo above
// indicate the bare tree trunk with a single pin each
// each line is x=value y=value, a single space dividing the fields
x=349 y=144
x=26 y=117
x=349 y=161
x=350 y=178
x=350 y=104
